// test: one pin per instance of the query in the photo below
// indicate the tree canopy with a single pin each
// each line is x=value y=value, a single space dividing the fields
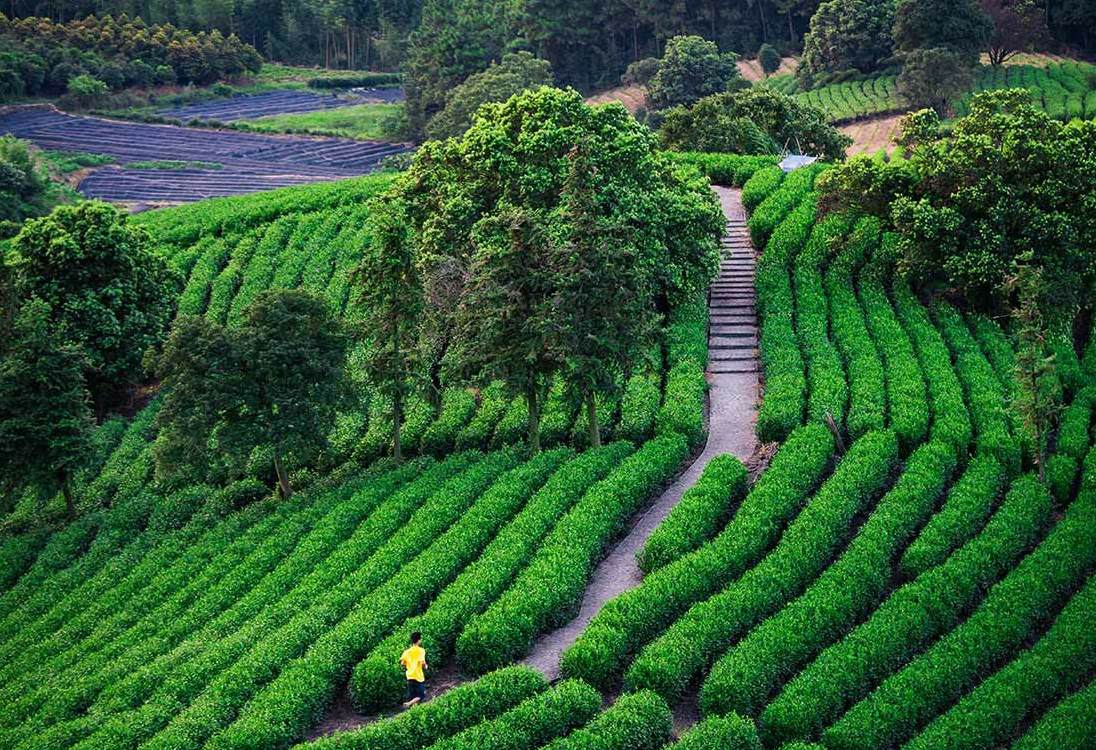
x=752 y=121
x=844 y=36
x=690 y=69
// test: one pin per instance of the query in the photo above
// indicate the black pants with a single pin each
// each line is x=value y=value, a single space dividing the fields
x=416 y=689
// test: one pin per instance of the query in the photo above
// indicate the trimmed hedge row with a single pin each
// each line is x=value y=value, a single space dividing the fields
x=730 y=170
x=535 y=721
x=701 y=513
x=908 y=620
x=457 y=406
x=493 y=403
x=782 y=201
x=670 y=662
x=867 y=392
x=378 y=681
x=682 y=411
x=193 y=299
x=1061 y=475
x=1066 y=363
x=730 y=732
x=259 y=271
x=1073 y=429
x=687 y=333
x=785 y=383
x=639 y=407
x=760 y=185
x=907 y=400
x=1067 y=726
x=288 y=682
x=451 y=712
x=224 y=287
x=632 y=619
x=950 y=421
x=551 y=587
x=964 y=513
x=744 y=678
x=637 y=721
x=998 y=350
x=273 y=610
x=1013 y=609
x=984 y=394
x=1056 y=665
x=827 y=385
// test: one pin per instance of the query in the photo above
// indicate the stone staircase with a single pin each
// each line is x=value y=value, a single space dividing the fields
x=733 y=334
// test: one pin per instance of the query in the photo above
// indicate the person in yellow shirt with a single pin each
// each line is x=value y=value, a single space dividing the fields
x=413 y=660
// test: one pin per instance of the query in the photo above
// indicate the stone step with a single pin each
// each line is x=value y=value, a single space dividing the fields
x=734 y=368
x=736 y=319
x=740 y=298
x=734 y=330
x=732 y=355
x=727 y=346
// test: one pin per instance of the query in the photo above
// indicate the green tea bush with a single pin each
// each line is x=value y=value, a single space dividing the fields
x=731 y=732
x=984 y=393
x=743 y=679
x=632 y=619
x=535 y=721
x=683 y=409
x=760 y=185
x=768 y=215
x=809 y=543
x=785 y=383
x=639 y=407
x=1073 y=428
x=687 y=333
x=867 y=391
x=969 y=503
x=1014 y=608
x=826 y=382
x=1060 y=662
x=457 y=407
x=637 y=721
x=730 y=170
x=908 y=620
x=1067 y=726
x=492 y=405
x=547 y=592
x=1061 y=475
x=378 y=680
x=700 y=514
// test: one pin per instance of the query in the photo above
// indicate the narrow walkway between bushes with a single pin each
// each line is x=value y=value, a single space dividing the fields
x=733 y=396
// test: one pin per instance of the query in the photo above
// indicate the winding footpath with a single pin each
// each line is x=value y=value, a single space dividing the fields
x=733 y=378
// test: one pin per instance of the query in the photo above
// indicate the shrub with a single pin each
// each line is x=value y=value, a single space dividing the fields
x=457 y=406
x=682 y=410
x=1073 y=430
x=638 y=721
x=532 y=723
x=779 y=203
x=458 y=709
x=698 y=516
x=639 y=407
x=969 y=503
x=908 y=620
x=359 y=80
x=635 y=617
x=1060 y=662
x=731 y=732
x=1067 y=726
x=1061 y=475
x=378 y=681
x=669 y=663
x=1009 y=614
x=760 y=185
x=550 y=588
x=687 y=333
x=492 y=405
x=730 y=170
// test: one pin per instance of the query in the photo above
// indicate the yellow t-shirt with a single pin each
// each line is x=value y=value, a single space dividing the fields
x=413 y=659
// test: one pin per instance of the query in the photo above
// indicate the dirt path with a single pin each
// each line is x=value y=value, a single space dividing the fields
x=869 y=136
x=632 y=97
x=733 y=378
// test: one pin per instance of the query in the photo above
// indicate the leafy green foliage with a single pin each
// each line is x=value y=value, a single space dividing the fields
x=638 y=721
x=758 y=120
x=692 y=68
x=933 y=78
x=23 y=186
x=769 y=58
x=846 y=36
x=731 y=732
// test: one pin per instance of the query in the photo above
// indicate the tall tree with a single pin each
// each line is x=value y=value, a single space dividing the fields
x=959 y=26
x=1018 y=26
x=106 y=290
x=690 y=69
x=45 y=417
x=275 y=381
x=391 y=298
x=847 y=35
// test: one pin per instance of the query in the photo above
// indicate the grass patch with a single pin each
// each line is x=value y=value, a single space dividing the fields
x=367 y=121
x=169 y=164
x=67 y=162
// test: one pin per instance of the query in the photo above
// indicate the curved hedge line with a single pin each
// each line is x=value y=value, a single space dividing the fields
x=744 y=678
x=908 y=620
x=632 y=619
x=983 y=391
x=1073 y=429
x=950 y=421
x=998 y=350
x=867 y=392
x=1067 y=726
x=637 y=721
x=731 y=170
x=669 y=663
x=451 y=712
x=1012 y=610
x=535 y=721
x=639 y=407
x=1057 y=664
x=785 y=384
x=760 y=185
x=378 y=680
x=551 y=587
x=968 y=505
x=682 y=411
x=730 y=732
x=493 y=403
x=827 y=385
x=457 y=407
x=907 y=400
x=779 y=203
x=699 y=515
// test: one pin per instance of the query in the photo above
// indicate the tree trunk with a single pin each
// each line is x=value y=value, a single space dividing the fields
x=397 y=420
x=284 y=487
x=66 y=490
x=533 y=403
x=591 y=420
x=791 y=28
